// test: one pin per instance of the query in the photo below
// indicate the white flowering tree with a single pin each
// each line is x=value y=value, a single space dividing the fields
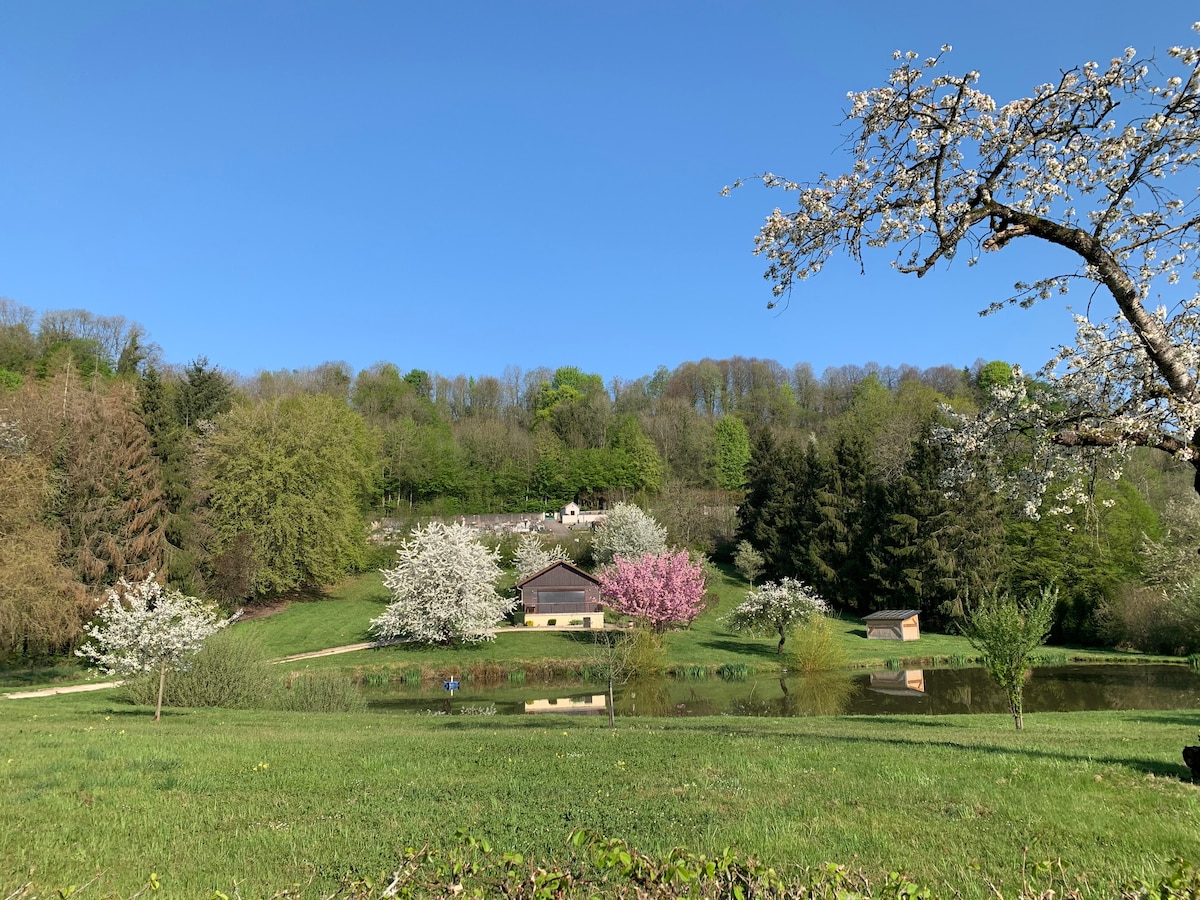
x=630 y=532
x=533 y=555
x=776 y=607
x=443 y=589
x=1102 y=162
x=144 y=627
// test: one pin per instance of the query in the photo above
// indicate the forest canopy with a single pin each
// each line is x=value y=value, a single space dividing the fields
x=245 y=488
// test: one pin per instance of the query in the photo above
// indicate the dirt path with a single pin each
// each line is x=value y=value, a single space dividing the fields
x=370 y=645
x=328 y=651
x=66 y=689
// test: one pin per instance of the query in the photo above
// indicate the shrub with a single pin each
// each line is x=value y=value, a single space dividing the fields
x=317 y=692
x=231 y=671
x=644 y=653
x=552 y=621
x=816 y=647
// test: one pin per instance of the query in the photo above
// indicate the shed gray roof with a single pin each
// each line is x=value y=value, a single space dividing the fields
x=891 y=615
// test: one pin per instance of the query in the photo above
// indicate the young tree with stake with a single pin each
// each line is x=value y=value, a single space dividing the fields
x=143 y=627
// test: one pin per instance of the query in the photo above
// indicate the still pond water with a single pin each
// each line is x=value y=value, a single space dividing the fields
x=929 y=691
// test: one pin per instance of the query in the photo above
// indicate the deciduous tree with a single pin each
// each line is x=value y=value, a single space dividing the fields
x=143 y=627
x=776 y=608
x=443 y=589
x=1006 y=630
x=627 y=531
x=287 y=480
x=1100 y=161
x=731 y=453
x=41 y=610
x=659 y=590
x=748 y=561
x=533 y=555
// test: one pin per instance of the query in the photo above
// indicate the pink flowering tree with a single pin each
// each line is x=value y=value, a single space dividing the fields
x=658 y=589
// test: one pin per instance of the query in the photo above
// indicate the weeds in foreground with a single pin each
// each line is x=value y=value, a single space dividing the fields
x=608 y=867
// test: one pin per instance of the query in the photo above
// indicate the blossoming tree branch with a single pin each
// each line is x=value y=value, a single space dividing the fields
x=1103 y=162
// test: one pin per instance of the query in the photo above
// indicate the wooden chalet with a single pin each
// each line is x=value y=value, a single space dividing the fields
x=893 y=625
x=562 y=595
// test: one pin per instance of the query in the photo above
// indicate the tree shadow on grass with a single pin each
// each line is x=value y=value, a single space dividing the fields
x=763 y=651
x=1156 y=767
x=1185 y=718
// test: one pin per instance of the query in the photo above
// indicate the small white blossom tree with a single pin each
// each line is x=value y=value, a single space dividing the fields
x=443 y=589
x=1102 y=162
x=628 y=532
x=532 y=556
x=143 y=627
x=776 y=608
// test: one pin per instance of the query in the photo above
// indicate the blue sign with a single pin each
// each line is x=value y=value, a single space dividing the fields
x=450 y=685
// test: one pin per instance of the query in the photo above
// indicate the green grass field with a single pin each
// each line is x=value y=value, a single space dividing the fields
x=212 y=799
x=250 y=802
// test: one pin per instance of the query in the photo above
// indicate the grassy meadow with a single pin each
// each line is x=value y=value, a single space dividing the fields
x=245 y=803
x=217 y=799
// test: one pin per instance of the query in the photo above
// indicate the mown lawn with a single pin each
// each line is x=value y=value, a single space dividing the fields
x=97 y=794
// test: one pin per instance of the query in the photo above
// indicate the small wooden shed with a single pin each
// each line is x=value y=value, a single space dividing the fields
x=893 y=625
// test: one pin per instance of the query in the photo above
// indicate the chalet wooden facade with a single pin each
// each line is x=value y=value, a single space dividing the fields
x=562 y=595
x=893 y=625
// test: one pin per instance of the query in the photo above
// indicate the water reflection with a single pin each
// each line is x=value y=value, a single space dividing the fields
x=904 y=683
x=931 y=691
x=587 y=705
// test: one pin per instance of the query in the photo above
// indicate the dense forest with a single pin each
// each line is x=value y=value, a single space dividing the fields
x=114 y=463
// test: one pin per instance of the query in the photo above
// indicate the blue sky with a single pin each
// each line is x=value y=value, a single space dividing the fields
x=460 y=187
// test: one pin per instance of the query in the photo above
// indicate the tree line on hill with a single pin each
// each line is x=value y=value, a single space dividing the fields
x=116 y=464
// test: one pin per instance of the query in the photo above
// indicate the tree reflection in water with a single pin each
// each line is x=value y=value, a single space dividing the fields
x=645 y=697
x=821 y=694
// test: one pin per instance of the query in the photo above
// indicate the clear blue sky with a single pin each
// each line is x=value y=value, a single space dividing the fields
x=463 y=186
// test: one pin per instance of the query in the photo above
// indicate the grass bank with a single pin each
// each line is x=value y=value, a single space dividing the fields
x=213 y=799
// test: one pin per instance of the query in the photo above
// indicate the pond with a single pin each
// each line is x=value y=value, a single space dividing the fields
x=929 y=691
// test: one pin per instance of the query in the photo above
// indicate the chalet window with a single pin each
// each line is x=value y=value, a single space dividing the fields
x=562 y=601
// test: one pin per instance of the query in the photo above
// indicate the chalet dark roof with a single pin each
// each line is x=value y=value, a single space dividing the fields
x=566 y=565
x=891 y=615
